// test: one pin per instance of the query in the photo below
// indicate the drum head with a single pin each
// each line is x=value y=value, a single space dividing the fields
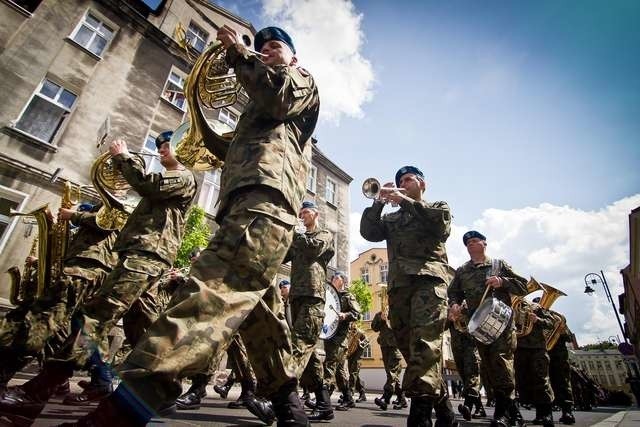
x=331 y=310
x=480 y=314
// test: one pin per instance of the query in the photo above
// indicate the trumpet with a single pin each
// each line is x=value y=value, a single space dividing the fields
x=372 y=189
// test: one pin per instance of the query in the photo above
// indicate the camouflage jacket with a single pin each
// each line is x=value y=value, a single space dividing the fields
x=309 y=255
x=272 y=141
x=415 y=235
x=469 y=284
x=537 y=339
x=157 y=223
x=91 y=241
x=385 y=337
x=349 y=305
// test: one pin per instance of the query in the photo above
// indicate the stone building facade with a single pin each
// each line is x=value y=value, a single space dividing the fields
x=609 y=368
x=78 y=72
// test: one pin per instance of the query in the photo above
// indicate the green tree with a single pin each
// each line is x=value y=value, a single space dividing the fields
x=604 y=345
x=196 y=235
x=363 y=295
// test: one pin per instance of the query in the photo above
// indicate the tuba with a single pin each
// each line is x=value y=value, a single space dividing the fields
x=209 y=84
x=118 y=198
x=523 y=308
x=549 y=296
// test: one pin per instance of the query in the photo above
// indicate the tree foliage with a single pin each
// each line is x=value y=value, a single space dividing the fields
x=362 y=292
x=196 y=235
x=604 y=345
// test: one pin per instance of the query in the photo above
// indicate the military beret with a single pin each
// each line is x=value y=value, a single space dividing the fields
x=308 y=204
x=85 y=207
x=407 y=169
x=163 y=137
x=470 y=235
x=272 y=33
x=284 y=283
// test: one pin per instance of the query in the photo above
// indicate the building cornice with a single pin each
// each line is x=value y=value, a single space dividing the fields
x=320 y=158
x=223 y=12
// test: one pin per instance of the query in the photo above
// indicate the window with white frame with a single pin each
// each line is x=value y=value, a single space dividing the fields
x=366 y=352
x=28 y=5
x=311 y=179
x=197 y=37
x=9 y=199
x=46 y=111
x=92 y=34
x=152 y=161
x=173 y=90
x=364 y=274
x=384 y=272
x=229 y=117
x=210 y=192
x=366 y=315
x=330 y=191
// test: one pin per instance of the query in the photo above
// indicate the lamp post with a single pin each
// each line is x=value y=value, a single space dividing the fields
x=595 y=278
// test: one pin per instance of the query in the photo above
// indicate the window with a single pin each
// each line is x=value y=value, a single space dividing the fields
x=92 y=34
x=311 y=179
x=228 y=117
x=173 y=90
x=364 y=274
x=210 y=192
x=28 y=5
x=384 y=272
x=152 y=162
x=330 y=191
x=197 y=37
x=366 y=315
x=366 y=353
x=46 y=111
x=9 y=199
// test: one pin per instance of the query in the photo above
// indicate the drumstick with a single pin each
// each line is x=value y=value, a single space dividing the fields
x=485 y=295
x=334 y=309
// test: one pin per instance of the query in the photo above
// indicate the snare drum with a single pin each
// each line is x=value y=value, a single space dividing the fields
x=489 y=320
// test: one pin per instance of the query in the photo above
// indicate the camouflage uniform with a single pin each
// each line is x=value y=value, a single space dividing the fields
x=309 y=254
x=230 y=288
x=531 y=362
x=354 y=362
x=560 y=373
x=418 y=277
x=465 y=354
x=391 y=357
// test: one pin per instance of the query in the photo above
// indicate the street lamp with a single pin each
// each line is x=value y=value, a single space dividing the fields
x=590 y=281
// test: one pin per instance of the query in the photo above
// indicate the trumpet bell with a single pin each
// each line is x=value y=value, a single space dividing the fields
x=371 y=188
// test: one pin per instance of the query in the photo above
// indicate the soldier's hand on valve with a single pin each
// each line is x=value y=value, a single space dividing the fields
x=65 y=214
x=118 y=146
x=228 y=36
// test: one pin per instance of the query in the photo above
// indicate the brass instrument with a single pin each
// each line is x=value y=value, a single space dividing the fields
x=549 y=296
x=118 y=198
x=353 y=339
x=522 y=309
x=17 y=286
x=462 y=324
x=210 y=85
x=371 y=188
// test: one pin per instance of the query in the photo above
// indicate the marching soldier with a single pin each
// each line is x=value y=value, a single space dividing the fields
x=465 y=354
x=418 y=276
x=531 y=365
x=231 y=286
x=391 y=359
x=469 y=283
x=310 y=253
x=146 y=246
x=560 y=376
x=354 y=363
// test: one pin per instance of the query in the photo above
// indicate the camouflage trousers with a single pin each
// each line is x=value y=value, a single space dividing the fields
x=417 y=313
x=560 y=374
x=354 y=363
x=122 y=287
x=391 y=358
x=307 y=315
x=532 y=376
x=230 y=289
x=467 y=359
x=497 y=359
x=335 y=373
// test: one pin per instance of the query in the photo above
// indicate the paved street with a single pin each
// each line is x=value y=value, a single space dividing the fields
x=214 y=412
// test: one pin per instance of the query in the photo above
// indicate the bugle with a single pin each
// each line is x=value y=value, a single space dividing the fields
x=371 y=188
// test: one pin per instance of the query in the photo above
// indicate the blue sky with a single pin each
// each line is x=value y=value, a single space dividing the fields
x=524 y=116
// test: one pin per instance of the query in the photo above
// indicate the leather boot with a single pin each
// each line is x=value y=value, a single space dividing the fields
x=263 y=409
x=567 y=414
x=323 y=410
x=223 y=390
x=362 y=397
x=445 y=417
x=500 y=418
x=10 y=366
x=479 y=412
x=383 y=402
x=248 y=388
x=465 y=407
x=98 y=388
x=347 y=401
x=193 y=397
x=401 y=403
x=420 y=412
x=513 y=413
x=287 y=407
x=546 y=415
x=537 y=421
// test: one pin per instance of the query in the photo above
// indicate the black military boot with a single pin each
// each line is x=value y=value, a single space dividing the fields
x=223 y=390
x=500 y=418
x=513 y=412
x=401 y=403
x=567 y=414
x=479 y=412
x=445 y=417
x=263 y=409
x=287 y=407
x=9 y=367
x=362 y=397
x=100 y=387
x=420 y=412
x=383 y=402
x=193 y=397
x=546 y=415
x=323 y=410
x=465 y=407
x=347 y=401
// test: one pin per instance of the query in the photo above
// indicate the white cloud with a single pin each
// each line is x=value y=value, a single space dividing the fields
x=558 y=245
x=329 y=40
